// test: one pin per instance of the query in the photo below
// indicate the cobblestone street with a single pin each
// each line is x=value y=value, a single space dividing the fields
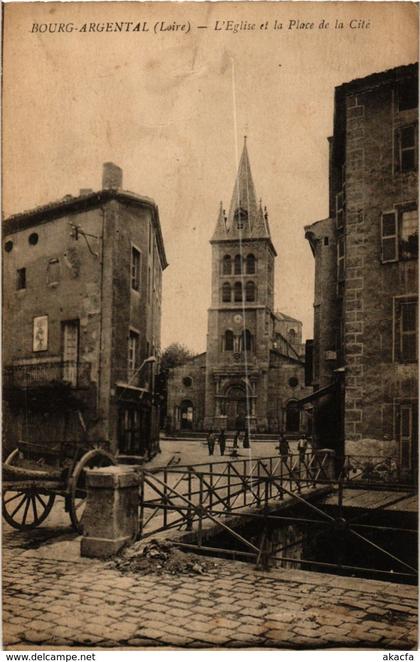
x=61 y=603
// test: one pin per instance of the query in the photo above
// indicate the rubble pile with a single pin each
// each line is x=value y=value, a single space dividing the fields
x=159 y=557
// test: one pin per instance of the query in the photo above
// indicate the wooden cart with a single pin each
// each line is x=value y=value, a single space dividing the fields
x=34 y=475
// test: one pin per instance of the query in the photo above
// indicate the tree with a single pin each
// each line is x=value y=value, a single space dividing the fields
x=174 y=355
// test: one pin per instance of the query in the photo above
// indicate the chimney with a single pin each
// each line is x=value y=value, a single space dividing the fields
x=111 y=176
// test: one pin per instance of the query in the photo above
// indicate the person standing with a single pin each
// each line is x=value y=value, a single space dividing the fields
x=222 y=442
x=283 y=447
x=246 y=440
x=235 y=439
x=302 y=447
x=210 y=442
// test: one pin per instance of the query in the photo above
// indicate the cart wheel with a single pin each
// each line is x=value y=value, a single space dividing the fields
x=25 y=509
x=77 y=486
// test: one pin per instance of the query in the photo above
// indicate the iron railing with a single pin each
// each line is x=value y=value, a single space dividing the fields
x=32 y=375
x=376 y=470
x=198 y=497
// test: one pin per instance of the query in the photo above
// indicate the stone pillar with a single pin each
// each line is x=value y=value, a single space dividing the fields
x=110 y=520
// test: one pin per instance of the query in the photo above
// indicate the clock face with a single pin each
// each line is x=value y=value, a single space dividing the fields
x=237 y=319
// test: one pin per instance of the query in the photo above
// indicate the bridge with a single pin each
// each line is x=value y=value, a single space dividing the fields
x=191 y=503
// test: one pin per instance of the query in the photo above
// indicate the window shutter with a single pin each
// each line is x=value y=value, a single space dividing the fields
x=389 y=237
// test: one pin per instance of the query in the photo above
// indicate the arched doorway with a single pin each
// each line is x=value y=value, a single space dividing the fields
x=292 y=416
x=236 y=408
x=186 y=415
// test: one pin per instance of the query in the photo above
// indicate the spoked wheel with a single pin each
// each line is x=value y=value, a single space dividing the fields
x=77 y=488
x=25 y=509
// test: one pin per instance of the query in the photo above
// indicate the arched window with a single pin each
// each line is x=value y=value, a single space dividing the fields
x=250 y=264
x=250 y=291
x=227 y=265
x=238 y=291
x=246 y=341
x=226 y=292
x=292 y=335
x=228 y=341
x=238 y=264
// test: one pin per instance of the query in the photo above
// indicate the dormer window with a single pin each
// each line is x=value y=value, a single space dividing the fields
x=241 y=217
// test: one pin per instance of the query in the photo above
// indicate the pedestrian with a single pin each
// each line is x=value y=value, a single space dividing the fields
x=302 y=447
x=246 y=440
x=222 y=442
x=235 y=439
x=210 y=442
x=283 y=447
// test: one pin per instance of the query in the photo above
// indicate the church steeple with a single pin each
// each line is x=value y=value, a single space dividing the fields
x=245 y=219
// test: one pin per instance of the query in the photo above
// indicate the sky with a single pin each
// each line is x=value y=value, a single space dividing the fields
x=170 y=107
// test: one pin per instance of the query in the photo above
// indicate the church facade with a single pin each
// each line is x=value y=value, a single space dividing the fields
x=252 y=374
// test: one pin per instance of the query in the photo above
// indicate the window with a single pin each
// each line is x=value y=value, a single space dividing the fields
x=406 y=426
x=250 y=264
x=292 y=335
x=399 y=235
x=228 y=341
x=226 y=293
x=21 y=279
x=53 y=271
x=187 y=381
x=405 y=330
x=238 y=264
x=250 y=291
x=326 y=241
x=8 y=246
x=241 y=217
x=246 y=341
x=33 y=239
x=339 y=209
x=407 y=94
x=238 y=292
x=409 y=237
x=227 y=265
x=293 y=382
x=407 y=148
x=133 y=343
x=70 y=344
x=340 y=259
x=135 y=269
x=389 y=237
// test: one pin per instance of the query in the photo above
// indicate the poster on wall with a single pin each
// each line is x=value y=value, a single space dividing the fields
x=40 y=334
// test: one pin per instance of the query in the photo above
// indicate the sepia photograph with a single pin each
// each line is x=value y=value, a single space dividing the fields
x=209 y=326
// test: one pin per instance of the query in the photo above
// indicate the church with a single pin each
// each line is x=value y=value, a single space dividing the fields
x=252 y=374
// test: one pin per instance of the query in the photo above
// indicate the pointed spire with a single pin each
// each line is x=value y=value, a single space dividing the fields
x=220 y=230
x=246 y=217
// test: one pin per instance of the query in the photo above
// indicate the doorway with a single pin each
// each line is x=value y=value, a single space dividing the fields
x=236 y=408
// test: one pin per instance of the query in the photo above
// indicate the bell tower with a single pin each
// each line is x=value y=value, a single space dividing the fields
x=240 y=318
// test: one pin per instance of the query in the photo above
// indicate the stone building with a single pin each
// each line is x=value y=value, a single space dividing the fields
x=253 y=371
x=365 y=331
x=82 y=282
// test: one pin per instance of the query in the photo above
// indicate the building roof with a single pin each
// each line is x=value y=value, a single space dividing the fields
x=373 y=80
x=74 y=204
x=286 y=318
x=246 y=218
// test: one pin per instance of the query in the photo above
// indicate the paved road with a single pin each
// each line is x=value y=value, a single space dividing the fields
x=61 y=603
